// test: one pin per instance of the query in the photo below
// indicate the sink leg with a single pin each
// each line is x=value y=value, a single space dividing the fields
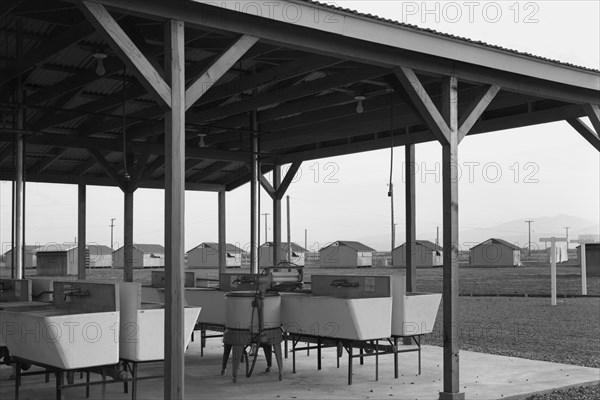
x=395 y=357
x=87 y=384
x=350 y=356
x=125 y=384
x=376 y=360
x=103 y=383
x=134 y=381
x=319 y=353
x=17 y=378
x=362 y=359
x=59 y=384
x=285 y=344
x=293 y=357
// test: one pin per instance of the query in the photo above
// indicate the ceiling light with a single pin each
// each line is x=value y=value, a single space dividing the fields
x=100 y=70
x=201 y=144
x=359 y=107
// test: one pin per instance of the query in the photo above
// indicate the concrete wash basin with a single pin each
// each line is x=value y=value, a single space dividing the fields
x=212 y=302
x=343 y=307
x=141 y=334
x=414 y=313
x=14 y=293
x=78 y=330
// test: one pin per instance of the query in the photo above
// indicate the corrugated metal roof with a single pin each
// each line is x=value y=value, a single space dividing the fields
x=425 y=243
x=284 y=246
x=496 y=241
x=215 y=246
x=442 y=34
x=357 y=246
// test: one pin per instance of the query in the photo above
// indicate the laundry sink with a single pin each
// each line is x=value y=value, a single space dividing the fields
x=343 y=307
x=142 y=325
x=79 y=330
x=212 y=302
x=16 y=305
x=414 y=313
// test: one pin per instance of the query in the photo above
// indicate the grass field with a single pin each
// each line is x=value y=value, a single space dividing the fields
x=526 y=327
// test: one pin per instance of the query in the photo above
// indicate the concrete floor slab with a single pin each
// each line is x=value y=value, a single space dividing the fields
x=483 y=376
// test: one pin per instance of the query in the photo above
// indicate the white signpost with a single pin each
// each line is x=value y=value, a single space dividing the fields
x=583 y=266
x=553 y=241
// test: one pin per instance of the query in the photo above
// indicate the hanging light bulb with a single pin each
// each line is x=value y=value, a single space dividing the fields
x=359 y=107
x=201 y=144
x=100 y=70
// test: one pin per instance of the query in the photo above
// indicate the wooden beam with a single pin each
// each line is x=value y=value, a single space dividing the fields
x=213 y=73
x=7 y=6
x=140 y=166
x=6 y=153
x=205 y=173
x=411 y=255
x=475 y=110
x=451 y=241
x=279 y=96
x=174 y=367
x=43 y=165
x=106 y=166
x=421 y=100
x=289 y=176
x=585 y=131
x=268 y=187
x=149 y=77
x=78 y=142
x=593 y=113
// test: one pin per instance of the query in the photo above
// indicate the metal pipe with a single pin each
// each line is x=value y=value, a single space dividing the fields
x=81 y=228
x=254 y=206
x=276 y=217
x=289 y=232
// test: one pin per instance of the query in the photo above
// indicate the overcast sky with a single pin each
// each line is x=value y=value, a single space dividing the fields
x=544 y=170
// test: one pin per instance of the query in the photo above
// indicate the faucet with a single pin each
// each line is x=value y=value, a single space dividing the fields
x=343 y=283
x=5 y=287
x=76 y=292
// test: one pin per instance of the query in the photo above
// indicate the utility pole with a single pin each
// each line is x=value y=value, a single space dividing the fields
x=529 y=242
x=112 y=225
x=306 y=239
x=266 y=216
x=567 y=229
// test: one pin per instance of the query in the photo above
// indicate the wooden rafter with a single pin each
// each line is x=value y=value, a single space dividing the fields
x=421 y=100
x=217 y=69
x=593 y=113
x=287 y=180
x=43 y=165
x=128 y=51
x=475 y=110
x=46 y=49
x=106 y=166
x=264 y=182
x=279 y=96
x=205 y=173
x=585 y=131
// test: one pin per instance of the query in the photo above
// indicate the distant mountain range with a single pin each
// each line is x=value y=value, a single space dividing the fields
x=513 y=231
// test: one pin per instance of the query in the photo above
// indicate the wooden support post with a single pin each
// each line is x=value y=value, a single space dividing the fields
x=411 y=226
x=583 y=269
x=81 y=228
x=222 y=234
x=174 y=211
x=128 y=236
x=17 y=251
x=289 y=231
x=450 y=225
x=553 y=260
x=276 y=216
